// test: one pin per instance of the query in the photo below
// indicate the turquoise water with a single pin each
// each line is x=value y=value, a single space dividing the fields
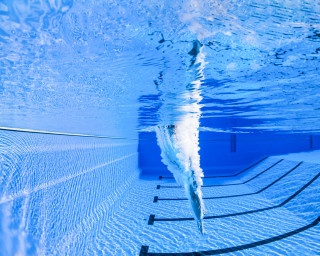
x=231 y=82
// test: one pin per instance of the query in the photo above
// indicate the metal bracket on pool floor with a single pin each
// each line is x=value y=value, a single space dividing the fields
x=152 y=218
x=227 y=176
x=156 y=198
x=144 y=249
x=229 y=184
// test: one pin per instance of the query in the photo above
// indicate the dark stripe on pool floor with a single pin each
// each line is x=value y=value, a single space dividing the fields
x=152 y=218
x=144 y=249
x=156 y=198
x=229 y=184
x=233 y=175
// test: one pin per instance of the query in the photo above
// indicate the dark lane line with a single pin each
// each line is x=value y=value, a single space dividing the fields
x=156 y=198
x=144 y=249
x=212 y=177
x=152 y=218
x=229 y=184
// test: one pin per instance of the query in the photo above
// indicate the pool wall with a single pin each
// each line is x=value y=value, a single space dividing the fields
x=55 y=190
x=225 y=153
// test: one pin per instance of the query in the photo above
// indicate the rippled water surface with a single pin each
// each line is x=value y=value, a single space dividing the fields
x=112 y=67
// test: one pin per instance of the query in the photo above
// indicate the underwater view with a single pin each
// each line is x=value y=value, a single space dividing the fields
x=151 y=128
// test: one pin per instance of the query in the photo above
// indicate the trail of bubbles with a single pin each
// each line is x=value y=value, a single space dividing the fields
x=179 y=142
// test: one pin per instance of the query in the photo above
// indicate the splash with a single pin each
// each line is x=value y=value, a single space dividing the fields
x=179 y=142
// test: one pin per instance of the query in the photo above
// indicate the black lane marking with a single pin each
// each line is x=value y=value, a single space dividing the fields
x=248 y=194
x=233 y=175
x=241 y=213
x=144 y=249
x=151 y=219
x=241 y=183
x=229 y=184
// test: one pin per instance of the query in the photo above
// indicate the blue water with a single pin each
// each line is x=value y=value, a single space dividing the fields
x=87 y=66
x=238 y=79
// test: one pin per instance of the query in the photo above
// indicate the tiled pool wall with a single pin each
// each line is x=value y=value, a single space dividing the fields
x=56 y=189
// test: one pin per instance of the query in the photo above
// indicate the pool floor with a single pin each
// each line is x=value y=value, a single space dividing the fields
x=274 y=212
